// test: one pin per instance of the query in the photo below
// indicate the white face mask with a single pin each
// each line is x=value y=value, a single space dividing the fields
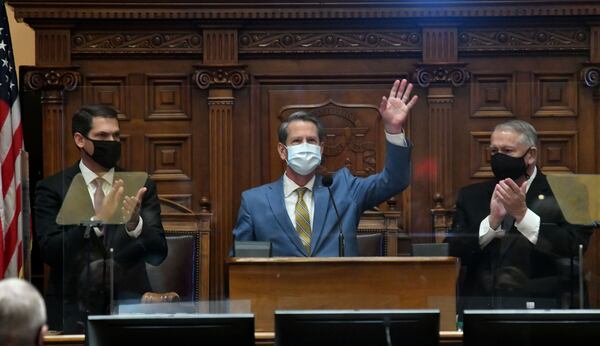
x=303 y=158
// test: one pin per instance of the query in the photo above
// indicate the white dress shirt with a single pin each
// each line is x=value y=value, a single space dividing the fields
x=529 y=226
x=89 y=176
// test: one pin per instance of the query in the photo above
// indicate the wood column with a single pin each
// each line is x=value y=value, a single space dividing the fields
x=53 y=75
x=220 y=75
x=590 y=78
x=439 y=73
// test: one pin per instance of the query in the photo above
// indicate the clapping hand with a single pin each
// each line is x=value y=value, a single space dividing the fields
x=512 y=197
x=111 y=202
x=131 y=208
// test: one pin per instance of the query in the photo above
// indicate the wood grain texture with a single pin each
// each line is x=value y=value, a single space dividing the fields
x=344 y=283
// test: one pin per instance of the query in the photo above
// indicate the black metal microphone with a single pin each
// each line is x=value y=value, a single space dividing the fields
x=327 y=181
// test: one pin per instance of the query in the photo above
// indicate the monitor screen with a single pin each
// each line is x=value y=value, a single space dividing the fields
x=531 y=327
x=175 y=329
x=357 y=327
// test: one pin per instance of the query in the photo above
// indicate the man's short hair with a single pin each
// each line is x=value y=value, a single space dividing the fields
x=83 y=118
x=300 y=116
x=526 y=130
x=22 y=313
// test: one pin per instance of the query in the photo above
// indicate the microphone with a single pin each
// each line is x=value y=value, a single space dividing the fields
x=327 y=181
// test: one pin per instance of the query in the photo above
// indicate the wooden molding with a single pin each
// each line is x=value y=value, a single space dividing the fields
x=440 y=45
x=322 y=41
x=523 y=39
x=53 y=47
x=293 y=10
x=96 y=42
x=595 y=44
x=221 y=47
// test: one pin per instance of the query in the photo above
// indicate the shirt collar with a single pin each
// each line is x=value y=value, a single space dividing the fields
x=89 y=176
x=289 y=186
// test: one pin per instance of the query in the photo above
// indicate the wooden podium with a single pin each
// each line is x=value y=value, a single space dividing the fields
x=344 y=283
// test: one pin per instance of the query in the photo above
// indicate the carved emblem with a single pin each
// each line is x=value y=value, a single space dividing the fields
x=208 y=77
x=590 y=76
x=456 y=74
x=347 y=141
x=52 y=79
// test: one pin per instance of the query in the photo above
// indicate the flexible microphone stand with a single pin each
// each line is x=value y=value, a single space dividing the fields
x=327 y=181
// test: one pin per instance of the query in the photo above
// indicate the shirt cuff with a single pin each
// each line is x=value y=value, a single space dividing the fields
x=137 y=230
x=530 y=226
x=487 y=233
x=398 y=139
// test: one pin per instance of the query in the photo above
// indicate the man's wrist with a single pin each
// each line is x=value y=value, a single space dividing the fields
x=494 y=222
x=519 y=217
x=394 y=130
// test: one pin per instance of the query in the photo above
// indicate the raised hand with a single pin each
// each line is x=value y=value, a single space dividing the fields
x=394 y=108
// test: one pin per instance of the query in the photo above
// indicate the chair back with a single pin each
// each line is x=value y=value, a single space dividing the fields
x=370 y=244
x=177 y=273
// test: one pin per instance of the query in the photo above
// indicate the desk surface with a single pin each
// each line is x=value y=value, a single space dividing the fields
x=382 y=259
x=263 y=339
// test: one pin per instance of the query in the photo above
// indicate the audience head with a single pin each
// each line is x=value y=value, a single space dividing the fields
x=22 y=314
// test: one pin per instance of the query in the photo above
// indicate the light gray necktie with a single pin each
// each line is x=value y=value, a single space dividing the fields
x=98 y=194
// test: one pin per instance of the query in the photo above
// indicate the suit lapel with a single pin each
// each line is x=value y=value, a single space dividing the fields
x=321 y=199
x=539 y=186
x=277 y=204
x=79 y=204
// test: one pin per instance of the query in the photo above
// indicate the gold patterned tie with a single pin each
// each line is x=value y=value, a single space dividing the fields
x=303 y=219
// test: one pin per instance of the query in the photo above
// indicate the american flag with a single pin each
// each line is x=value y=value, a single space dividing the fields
x=11 y=155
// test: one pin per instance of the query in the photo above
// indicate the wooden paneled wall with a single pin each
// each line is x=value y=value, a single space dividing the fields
x=201 y=87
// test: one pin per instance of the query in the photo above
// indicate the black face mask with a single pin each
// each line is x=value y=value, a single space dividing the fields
x=106 y=153
x=505 y=166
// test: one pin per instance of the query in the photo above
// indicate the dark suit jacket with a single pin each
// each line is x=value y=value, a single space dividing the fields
x=65 y=250
x=511 y=271
x=263 y=216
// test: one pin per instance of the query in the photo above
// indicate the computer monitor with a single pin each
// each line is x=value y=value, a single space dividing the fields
x=175 y=329
x=531 y=327
x=357 y=327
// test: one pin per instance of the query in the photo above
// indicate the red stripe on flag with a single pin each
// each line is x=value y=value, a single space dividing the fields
x=4 y=112
x=8 y=165
x=12 y=233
